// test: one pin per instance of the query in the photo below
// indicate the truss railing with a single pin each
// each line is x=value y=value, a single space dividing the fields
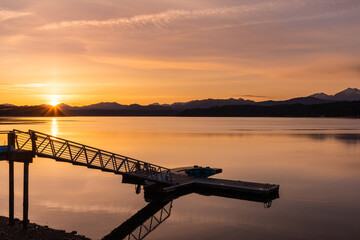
x=44 y=145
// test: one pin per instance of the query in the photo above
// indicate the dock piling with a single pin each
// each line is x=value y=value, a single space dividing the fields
x=25 y=157
x=11 y=145
x=11 y=192
x=26 y=196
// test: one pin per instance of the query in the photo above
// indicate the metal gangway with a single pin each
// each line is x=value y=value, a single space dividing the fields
x=44 y=145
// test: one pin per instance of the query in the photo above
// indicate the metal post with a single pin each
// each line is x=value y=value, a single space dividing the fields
x=26 y=196
x=11 y=192
x=33 y=142
x=11 y=145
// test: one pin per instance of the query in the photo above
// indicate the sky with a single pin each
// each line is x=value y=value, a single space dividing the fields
x=86 y=51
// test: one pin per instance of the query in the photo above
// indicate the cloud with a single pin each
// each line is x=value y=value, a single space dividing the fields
x=261 y=9
x=29 y=85
x=160 y=64
x=252 y=96
x=8 y=14
x=161 y=19
x=167 y=17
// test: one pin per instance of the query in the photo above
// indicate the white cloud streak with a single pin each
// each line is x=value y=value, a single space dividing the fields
x=167 y=17
x=163 y=19
x=8 y=14
x=28 y=85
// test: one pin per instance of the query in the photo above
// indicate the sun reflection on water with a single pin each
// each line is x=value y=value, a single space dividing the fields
x=54 y=127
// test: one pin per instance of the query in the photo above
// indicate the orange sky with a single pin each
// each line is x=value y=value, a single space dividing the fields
x=164 y=51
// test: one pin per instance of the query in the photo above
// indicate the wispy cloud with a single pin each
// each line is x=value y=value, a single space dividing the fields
x=160 y=19
x=252 y=96
x=163 y=19
x=28 y=85
x=160 y=64
x=8 y=14
x=167 y=17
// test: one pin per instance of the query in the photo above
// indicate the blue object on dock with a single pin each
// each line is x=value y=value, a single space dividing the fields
x=202 y=172
x=5 y=148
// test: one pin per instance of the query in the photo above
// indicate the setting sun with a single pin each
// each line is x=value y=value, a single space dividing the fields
x=54 y=103
x=54 y=100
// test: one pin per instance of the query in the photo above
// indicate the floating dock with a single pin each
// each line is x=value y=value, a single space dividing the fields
x=184 y=184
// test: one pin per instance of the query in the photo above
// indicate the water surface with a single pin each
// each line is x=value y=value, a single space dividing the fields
x=315 y=161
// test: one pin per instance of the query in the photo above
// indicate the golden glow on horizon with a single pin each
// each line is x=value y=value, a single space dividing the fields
x=54 y=100
x=54 y=103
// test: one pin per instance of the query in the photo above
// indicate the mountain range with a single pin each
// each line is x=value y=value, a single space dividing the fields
x=312 y=105
x=349 y=94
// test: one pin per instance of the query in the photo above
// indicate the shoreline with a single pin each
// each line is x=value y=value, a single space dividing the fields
x=35 y=231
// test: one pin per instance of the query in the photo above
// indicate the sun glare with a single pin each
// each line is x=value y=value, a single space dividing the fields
x=54 y=103
x=54 y=100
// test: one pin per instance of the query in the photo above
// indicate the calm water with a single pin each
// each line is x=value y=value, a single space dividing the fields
x=315 y=161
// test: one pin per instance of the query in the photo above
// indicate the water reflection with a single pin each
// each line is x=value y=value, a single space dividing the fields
x=317 y=166
x=143 y=222
x=12 y=121
x=346 y=138
x=159 y=209
x=54 y=127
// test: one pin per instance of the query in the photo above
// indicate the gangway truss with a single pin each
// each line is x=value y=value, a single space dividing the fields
x=44 y=145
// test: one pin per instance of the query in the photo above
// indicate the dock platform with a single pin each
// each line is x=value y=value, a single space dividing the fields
x=184 y=184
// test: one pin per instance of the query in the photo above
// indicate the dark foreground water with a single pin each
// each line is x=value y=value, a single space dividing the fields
x=315 y=161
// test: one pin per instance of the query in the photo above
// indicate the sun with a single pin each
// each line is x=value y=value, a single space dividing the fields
x=54 y=103
x=54 y=100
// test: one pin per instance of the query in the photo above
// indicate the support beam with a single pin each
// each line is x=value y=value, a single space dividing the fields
x=11 y=192
x=33 y=143
x=26 y=196
x=11 y=145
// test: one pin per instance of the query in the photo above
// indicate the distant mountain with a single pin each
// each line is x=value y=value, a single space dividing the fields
x=105 y=106
x=322 y=96
x=43 y=110
x=206 y=103
x=300 y=100
x=8 y=105
x=349 y=94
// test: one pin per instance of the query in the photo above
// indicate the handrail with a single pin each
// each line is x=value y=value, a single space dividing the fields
x=96 y=149
x=45 y=145
x=4 y=131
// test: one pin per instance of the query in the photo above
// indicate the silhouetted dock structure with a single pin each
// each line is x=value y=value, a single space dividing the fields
x=159 y=182
x=184 y=184
x=143 y=222
x=161 y=201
